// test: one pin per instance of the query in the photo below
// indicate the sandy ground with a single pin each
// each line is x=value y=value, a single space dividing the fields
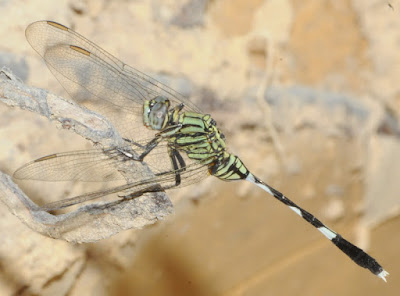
x=306 y=93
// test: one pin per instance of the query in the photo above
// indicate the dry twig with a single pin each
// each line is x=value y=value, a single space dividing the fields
x=90 y=222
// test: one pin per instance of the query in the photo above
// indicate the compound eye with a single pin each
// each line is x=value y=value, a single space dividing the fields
x=155 y=115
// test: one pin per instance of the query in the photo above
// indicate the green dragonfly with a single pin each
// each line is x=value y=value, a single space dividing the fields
x=160 y=127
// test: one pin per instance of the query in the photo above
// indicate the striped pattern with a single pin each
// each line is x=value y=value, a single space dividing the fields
x=355 y=253
x=200 y=139
x=230 y=168
x=72 y=58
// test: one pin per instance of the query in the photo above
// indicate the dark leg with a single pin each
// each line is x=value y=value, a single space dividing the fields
x=149 y=146
x=147 y=149
x=178 y=164
x=134 y=143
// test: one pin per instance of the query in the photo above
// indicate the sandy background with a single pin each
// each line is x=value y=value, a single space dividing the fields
x=307 y=94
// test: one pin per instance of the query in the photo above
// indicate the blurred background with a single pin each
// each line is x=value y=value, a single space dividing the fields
x=307 y=94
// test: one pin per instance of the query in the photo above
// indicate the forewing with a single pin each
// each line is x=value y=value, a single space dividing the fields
x=88 y=72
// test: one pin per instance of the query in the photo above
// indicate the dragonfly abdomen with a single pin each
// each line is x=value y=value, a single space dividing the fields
x=230 y=168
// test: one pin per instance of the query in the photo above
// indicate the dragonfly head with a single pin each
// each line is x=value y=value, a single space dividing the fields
x=155 y=113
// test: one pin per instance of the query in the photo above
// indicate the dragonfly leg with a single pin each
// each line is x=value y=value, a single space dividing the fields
x=170 y=130
x=149 y=147
x=179 y=166
x=134 y=143
x=158 y=138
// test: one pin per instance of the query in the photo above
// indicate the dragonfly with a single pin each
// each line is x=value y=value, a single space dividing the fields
x=160 y=127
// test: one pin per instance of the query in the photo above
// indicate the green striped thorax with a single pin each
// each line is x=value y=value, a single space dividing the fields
x=195 y=134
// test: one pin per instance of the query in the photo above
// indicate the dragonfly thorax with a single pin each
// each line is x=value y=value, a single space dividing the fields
x=155 y=113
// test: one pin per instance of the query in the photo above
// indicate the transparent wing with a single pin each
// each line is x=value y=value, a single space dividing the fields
x=90 y=73
x=104 y=164
x=86 y=165
x=192 y=173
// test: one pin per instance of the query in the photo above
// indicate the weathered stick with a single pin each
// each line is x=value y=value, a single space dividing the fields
x=90 y=222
